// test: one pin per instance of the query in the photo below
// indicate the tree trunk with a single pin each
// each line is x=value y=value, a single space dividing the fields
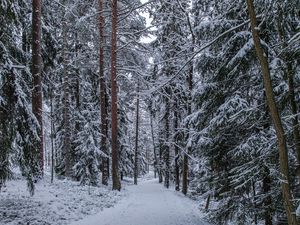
x=66 y=109
x=294 y=109
x=152 y=115
x=166 y=149
x=154 y=149
x=52 y=135
x=254 y=200
x=177 y=179
x=77 y=77
x=283 y=156
x=114 y=100
x=103 y=106
x=37 y=92
x=207 y=203
x=161 y=152
x=185 y=172
x=267 y=201
x=289 y=74
x=147 y=161
x=136 y=169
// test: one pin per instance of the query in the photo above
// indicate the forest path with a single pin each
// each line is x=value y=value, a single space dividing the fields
x=148 y=203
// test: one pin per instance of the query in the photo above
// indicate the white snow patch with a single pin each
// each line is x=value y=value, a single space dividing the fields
x=59 y=203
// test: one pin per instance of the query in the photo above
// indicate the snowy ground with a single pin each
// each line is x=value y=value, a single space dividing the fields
x=65 y=202
x=148 y=203
x=53 y=204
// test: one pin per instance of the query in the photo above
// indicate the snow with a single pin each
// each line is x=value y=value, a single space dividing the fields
x=59 y=203
x=66 y=202
x=149 y=203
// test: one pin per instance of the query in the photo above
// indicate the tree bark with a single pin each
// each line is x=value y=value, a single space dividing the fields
x=289 y=74
x=161 y=152
x=103 y=106
x=185 y=174
x=189 y=109
x=207 y=202
x=267 y=201
x=154 y=149
x=295 y=120
x=52 y=135
x=283 y=156
x=77 y=78
x=37 y=92
x=152 y=115
x=177 y=178
x=166 y=149
x=136 y=169
x=114 y=100
x=66 y=108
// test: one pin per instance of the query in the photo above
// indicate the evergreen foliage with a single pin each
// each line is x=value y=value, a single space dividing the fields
x=203 y=101
x=18 y=124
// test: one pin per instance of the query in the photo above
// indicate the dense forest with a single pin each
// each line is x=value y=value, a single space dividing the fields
x=203 y=92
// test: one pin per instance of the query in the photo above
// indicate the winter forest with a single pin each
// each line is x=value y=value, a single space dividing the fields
x=158 y=112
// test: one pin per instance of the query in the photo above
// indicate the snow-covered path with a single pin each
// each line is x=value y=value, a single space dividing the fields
x=148 y=203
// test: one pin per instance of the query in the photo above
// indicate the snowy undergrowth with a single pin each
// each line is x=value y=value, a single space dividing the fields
x=59 y=203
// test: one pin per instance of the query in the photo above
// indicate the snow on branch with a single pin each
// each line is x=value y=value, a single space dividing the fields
x=151 y=91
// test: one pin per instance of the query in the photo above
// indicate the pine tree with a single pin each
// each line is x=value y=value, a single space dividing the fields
x=114 y=100
x=283 y=157
x=227 y=123
x=171 y=51
x=66 y=105
x=136 y=150
x=87 y=140
x=104 y=123
x=37 y=97
x=19 y=126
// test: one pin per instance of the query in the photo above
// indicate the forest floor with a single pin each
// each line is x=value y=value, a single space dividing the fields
x=59 y=203
x=149 y=203
x=65 y=202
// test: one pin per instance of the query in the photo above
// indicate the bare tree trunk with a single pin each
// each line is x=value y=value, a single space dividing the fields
x=185 y=171
x=290 y=76
x=147 y=161
x=294 y=109
x=207 y=202
x=189 y=109
x=161 y=152
x=283 y=156
x=52 y=135
x=103 y=107
x=77 y=78
x=267 y=201
x=185 y=174
x=66 y=109
x=177 y=178
x=136 y=165
x=154 y=149
x=152 y=115
x=114 y=100
x=254 y=200
x=166 y=149
x=37 y=92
